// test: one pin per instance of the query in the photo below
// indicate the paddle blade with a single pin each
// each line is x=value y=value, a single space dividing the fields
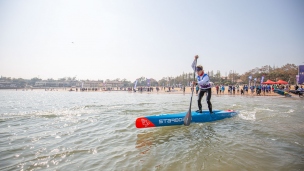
x=188 y=118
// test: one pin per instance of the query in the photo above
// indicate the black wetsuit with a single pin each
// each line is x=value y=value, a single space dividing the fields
x=205 y=87
x=201 y=95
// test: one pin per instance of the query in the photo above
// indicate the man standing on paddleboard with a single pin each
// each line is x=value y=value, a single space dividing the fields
x=203 y=82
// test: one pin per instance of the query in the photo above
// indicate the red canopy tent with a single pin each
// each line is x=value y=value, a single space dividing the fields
x=281 y=82
x=269 y=82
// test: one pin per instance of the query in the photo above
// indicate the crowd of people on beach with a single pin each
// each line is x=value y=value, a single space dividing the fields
x=162 y=88
x=253 y=89
x=221 y=89
x=258 y=89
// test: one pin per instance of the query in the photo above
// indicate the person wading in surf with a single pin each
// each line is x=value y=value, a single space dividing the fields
x=203 y=82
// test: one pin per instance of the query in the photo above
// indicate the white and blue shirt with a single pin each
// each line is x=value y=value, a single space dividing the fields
x=203 y=81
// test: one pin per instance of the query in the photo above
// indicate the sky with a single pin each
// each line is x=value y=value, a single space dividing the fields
x=128 y=39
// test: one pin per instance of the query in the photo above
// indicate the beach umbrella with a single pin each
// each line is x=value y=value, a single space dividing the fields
x=269 y=82
x=281 y=82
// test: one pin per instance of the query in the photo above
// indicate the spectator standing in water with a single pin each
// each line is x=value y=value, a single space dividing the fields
x=237 y=88
x=246 y=88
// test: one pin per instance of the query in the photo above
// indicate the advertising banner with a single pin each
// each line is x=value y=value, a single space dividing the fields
x=301 y=74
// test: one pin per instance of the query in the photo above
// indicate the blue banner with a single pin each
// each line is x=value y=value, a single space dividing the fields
x=135 y=84
x=301 y=74
x=250 y=77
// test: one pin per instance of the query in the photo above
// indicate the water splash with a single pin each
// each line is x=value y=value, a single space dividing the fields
x=247 y=115
x=289 y=111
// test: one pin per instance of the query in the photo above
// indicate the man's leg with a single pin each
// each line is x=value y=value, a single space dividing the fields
x=199 y=101
x=208 y=100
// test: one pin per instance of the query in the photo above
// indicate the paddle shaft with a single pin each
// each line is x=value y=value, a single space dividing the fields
x=192 y=86
x=188 y=117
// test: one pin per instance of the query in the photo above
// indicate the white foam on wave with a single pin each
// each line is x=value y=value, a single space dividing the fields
x=298 y=144
x=284 y=105
x=263 y=109
x=246 y=115
x=289 y=111
x=116 y=107
x=64 y=113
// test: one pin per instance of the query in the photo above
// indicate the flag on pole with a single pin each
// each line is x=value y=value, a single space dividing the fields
x=301 y=74
x=262 y=79
x=250 y=77
x=135 y=83
x=194 y=65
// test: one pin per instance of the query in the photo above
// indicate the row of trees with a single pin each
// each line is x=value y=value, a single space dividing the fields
x=287 y=72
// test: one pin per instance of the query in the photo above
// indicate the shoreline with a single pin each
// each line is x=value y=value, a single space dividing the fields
x=161 y=91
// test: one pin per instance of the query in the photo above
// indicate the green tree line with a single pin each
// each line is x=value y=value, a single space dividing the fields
x=287 y=73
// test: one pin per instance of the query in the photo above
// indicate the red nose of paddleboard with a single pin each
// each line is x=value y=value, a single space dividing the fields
x=143 y=123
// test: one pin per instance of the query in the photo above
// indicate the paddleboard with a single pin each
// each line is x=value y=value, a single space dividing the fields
x=178 y=118
x=281 y=92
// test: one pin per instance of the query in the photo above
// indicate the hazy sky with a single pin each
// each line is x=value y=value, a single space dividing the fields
x=98 y=39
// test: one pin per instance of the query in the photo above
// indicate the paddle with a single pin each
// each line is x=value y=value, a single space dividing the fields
x=188 y=117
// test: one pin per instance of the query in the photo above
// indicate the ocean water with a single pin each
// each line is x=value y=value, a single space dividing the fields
x=58 y=130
